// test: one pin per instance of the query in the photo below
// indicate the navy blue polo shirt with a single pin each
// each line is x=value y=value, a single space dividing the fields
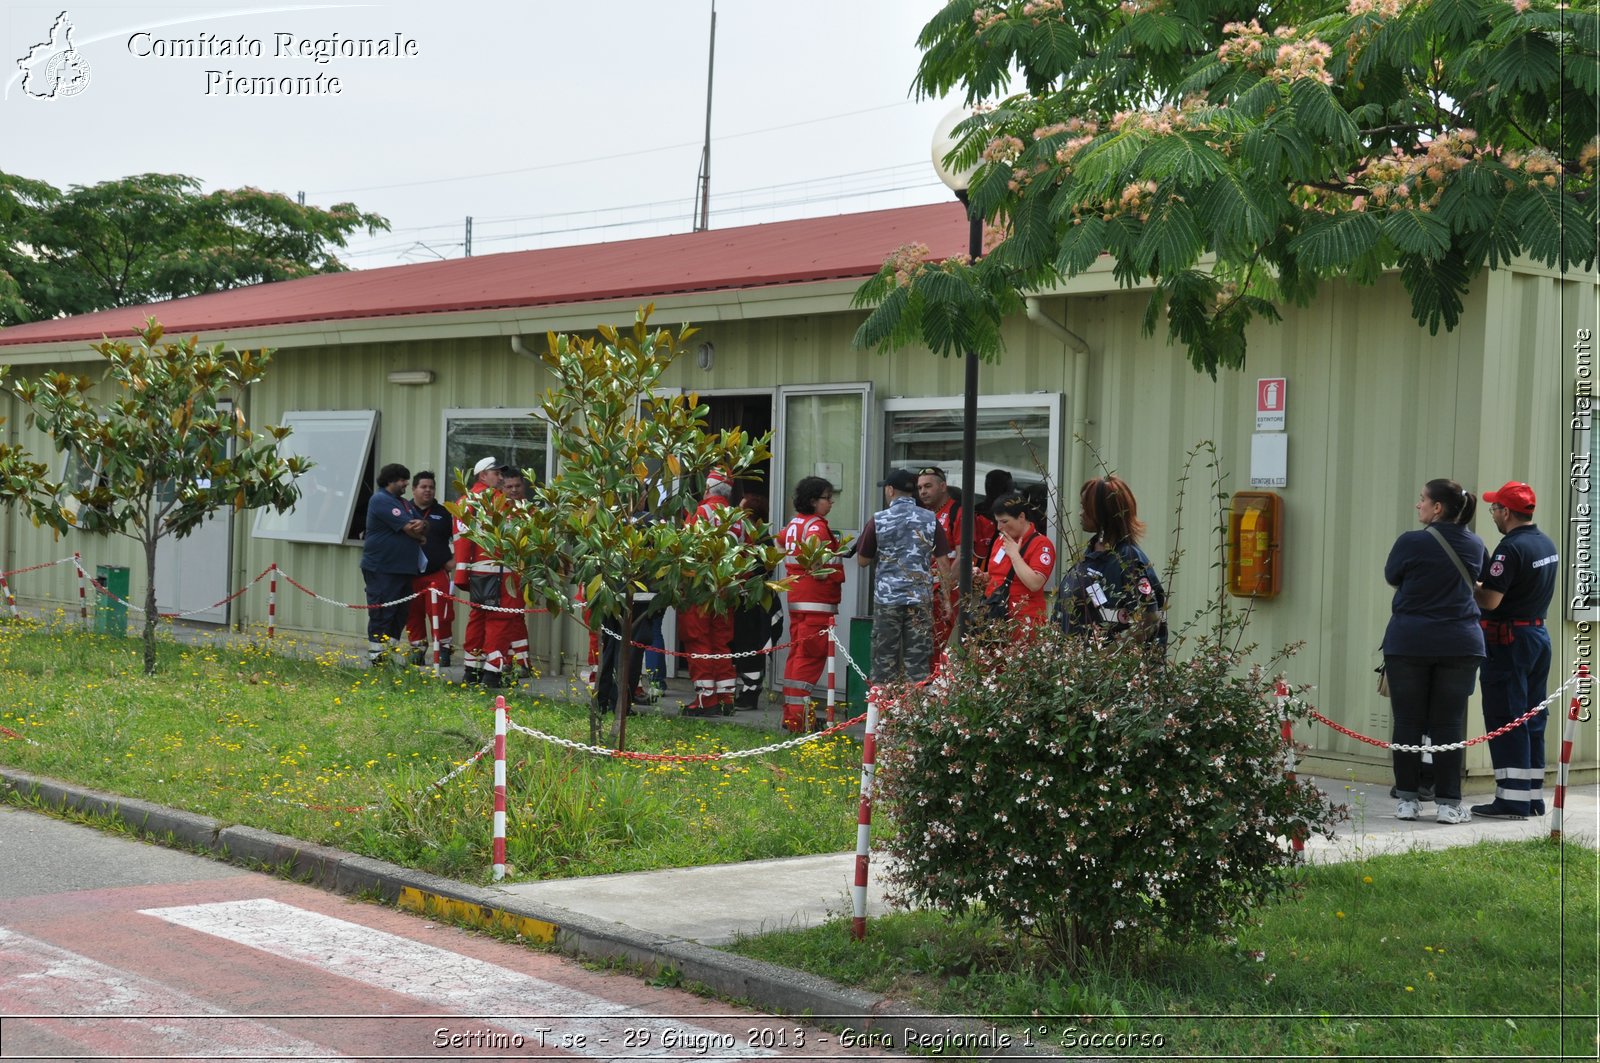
x=387 y=548
x=1523 y=568
x=439 y=525
x=1434 y=612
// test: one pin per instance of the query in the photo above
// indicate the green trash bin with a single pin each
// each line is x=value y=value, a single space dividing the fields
x=855 y=689
x=111 y=614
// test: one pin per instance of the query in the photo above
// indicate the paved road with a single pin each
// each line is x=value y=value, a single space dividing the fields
x=113 y=949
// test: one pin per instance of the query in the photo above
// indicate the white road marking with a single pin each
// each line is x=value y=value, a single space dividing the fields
x=542 y=1012
x=42 y=979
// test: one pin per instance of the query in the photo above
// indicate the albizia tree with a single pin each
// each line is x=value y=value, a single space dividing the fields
x=1237 y=154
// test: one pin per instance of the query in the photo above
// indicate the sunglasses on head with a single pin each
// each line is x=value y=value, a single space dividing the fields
x=932 y=470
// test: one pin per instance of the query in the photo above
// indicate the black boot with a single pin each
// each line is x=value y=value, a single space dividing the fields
x=419 y=657
x=491 y=679
x=472 y=676
x=444 y=656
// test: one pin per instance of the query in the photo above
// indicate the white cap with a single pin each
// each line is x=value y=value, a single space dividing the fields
x=484 y=465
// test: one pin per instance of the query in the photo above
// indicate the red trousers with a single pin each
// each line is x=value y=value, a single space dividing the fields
x=491 y=633
x=705 y=634
x=809 y=650
x=443 y=607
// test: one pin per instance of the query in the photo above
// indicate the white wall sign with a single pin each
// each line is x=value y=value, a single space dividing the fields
x=1269 y=459
x=1271 y=401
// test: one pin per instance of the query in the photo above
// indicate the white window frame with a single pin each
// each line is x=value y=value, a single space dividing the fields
x=340 y=537
x=489 y=413
x=1050 y=401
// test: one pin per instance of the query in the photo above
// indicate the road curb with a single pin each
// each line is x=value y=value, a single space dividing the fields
x=763 y=985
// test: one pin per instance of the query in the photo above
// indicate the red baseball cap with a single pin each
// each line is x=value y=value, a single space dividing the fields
x=1517 y=497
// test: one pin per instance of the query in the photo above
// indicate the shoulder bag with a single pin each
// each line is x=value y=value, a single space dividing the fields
x=1455 y=559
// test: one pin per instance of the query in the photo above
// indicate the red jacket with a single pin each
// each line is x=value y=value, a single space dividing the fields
x=707 y=511
x=949 y=516
x=470 y=557
x=1040 y=556
x=809 y=593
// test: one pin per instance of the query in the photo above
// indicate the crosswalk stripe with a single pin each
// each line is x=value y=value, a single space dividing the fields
x=42 y=979
x=543 y=1013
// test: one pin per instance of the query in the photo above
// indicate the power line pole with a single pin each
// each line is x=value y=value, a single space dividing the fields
x=469 y=236
x=703 y=217
x=301 y=196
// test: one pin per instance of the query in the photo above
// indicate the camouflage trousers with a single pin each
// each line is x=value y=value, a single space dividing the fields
x=902 y=642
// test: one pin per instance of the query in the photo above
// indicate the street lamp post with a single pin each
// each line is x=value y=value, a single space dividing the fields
x=958 y=181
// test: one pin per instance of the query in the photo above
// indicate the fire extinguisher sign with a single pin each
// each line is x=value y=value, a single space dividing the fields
x=1271 y=401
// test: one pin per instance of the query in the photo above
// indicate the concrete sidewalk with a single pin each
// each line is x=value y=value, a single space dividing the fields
x=715 y=905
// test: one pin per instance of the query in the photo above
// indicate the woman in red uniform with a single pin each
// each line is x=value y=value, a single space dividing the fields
x=1020 y=563
x=813 y=601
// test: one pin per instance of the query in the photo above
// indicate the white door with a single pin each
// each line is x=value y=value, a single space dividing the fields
x=822 y=431
x=192 y=572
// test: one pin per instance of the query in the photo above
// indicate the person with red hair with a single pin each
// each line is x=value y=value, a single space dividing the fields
x=1114 y=588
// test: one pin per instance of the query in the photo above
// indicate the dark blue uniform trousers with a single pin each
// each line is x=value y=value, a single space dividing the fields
x=1514 y=680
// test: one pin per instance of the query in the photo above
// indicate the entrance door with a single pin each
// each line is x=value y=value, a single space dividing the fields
x=192 y=572
x=822 y=431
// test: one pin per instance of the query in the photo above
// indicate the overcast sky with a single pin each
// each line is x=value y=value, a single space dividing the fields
x=547 y=123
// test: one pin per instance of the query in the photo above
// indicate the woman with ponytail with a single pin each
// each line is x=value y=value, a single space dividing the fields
x=1433 y=644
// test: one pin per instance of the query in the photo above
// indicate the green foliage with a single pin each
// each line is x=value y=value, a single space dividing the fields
x=155 y=236
x=158 y=447
x=1286 y=145
x=1087 y=793
x=612 y=519
x=1369 y=960
x=258 y=732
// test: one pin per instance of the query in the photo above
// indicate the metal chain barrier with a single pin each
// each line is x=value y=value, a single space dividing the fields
x=698 y=656
x=1450 y=747
x=345 y=605
x=35 y=568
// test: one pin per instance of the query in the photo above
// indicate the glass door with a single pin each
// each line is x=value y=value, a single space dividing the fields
x=822 y=431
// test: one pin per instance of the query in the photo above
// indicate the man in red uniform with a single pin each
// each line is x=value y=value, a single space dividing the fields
x=513 y=637
x=933 y=493
x=481 y=576
x=707 y=636
x=813 y=601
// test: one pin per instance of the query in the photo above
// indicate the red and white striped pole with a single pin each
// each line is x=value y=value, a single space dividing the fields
x=869 y=774
x=432 y=614
x=1559 y=804
x=11 y=599
x=833 y=654
x=499 y=788
x=272 y=598
x=1286 y=729
x=83 y=590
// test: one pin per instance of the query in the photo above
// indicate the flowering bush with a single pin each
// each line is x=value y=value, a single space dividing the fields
x=1089 y=792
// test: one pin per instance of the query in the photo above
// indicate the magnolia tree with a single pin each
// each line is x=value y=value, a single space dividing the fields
x=1235 y=154
x=160 y=447
x=612 y=519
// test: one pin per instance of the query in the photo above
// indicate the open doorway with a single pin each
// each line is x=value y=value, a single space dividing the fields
x=753 y=413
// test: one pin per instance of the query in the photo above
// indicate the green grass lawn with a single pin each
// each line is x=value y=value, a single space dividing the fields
x=326 y=751
x=1486 y=951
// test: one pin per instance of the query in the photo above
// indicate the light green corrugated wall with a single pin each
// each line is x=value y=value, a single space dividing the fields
x=1375 y=407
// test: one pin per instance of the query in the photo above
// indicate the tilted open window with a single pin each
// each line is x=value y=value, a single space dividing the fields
x=331 y=508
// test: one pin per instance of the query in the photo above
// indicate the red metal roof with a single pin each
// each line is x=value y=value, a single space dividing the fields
x=841 y=247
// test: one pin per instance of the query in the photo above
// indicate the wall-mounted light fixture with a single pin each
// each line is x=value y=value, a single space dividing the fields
x=412 y=377
x=704 y=354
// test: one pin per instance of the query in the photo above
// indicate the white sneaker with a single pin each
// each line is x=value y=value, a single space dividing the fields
x=1406 y=810
x=1453 y=814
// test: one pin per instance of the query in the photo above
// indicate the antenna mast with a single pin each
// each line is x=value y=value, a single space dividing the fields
x=702 y=220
